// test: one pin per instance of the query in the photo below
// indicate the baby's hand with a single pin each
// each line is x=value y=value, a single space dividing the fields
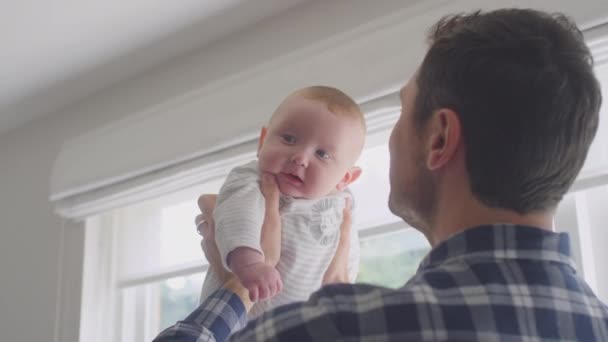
x=261 y=279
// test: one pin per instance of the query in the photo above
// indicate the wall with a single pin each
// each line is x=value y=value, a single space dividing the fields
x=31 y=234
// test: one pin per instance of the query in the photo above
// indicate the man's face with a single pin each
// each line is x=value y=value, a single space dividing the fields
x=413 y=191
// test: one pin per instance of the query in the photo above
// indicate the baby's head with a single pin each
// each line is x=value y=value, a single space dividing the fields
x=312 y=142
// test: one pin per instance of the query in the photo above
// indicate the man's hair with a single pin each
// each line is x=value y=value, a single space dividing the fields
x=336 y=100
x=522 y=84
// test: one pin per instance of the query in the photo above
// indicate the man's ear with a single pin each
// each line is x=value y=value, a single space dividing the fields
x=445 y=135
x=350 y=176
x=261 y=139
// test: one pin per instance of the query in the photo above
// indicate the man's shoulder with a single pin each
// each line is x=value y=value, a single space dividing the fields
x=364 y=297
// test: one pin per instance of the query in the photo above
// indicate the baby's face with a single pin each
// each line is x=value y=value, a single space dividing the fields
x=309 y=148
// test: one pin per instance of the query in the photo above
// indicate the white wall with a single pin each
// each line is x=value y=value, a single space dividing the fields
x=30 y=235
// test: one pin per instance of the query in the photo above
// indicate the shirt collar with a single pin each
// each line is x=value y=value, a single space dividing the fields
x=502 y=241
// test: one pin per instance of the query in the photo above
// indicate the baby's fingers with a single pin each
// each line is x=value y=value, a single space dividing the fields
x=264 y=291
x=279 y=285
x=253 y=293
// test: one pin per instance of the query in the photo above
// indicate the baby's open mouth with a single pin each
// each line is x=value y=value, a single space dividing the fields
x=293 y=178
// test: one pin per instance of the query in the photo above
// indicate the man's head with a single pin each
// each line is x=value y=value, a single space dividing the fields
x=312 y=142
x=514 y=94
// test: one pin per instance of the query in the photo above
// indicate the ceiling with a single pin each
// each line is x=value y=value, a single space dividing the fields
x=57 y=52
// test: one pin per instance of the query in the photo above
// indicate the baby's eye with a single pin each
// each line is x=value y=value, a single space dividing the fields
x=323 y=155
x=288 y=139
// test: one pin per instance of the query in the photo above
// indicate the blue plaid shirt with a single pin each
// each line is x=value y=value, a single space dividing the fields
x=490 y=283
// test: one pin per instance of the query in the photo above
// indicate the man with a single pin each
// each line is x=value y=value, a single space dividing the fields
x=495 y=126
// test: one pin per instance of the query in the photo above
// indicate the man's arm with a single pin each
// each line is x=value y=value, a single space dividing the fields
x=327 y=315
x=214 y=320
x=332 y=313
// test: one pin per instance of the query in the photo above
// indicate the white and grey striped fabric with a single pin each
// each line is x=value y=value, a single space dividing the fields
x=310 y=235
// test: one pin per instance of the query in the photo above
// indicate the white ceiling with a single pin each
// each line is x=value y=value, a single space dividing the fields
x=56 y=52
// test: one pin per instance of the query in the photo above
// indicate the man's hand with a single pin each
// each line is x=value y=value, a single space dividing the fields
x=337 y=272
x=205 y=225
x=271 y=227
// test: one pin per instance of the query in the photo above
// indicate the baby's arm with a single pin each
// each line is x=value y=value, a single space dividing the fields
x=261 y=279
x=257 y=272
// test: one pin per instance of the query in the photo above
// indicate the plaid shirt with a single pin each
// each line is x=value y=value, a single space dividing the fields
x=490 y=283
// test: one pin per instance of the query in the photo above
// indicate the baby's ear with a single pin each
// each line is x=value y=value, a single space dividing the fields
x=350 y=176
x=261 y=139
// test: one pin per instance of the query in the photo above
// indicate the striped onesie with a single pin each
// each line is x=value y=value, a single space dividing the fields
x=310 y=235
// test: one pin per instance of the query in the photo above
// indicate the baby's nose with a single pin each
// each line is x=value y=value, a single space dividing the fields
x=300 y=159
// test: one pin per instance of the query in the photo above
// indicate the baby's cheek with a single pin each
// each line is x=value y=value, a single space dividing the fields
x=323 y=185
x=268 y=163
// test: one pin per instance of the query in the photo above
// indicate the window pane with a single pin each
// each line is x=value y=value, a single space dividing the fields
x=179 y=296
x=597 y=158
x=391 y=259
x=163 y=231
x=372 y=188
x=179 y=241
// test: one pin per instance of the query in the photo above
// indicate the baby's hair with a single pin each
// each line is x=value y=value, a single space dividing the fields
x=336 y=100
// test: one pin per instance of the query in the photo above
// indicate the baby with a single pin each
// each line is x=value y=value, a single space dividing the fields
x=310 y=145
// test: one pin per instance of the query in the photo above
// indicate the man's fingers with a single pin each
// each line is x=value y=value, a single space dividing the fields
x=199 y=219
x=206 y=230
x=270 y=188
x=208 y=249
x=347 y=218
x=205 y=224
x=348 y=203
x=198 y=222
x=206 y=203
x=338 y=268
x=347 y=213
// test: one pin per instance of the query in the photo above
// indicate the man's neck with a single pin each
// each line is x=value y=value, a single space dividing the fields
x=459 y=215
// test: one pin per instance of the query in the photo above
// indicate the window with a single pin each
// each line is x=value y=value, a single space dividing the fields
x=390 y=259
x=583 y=213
